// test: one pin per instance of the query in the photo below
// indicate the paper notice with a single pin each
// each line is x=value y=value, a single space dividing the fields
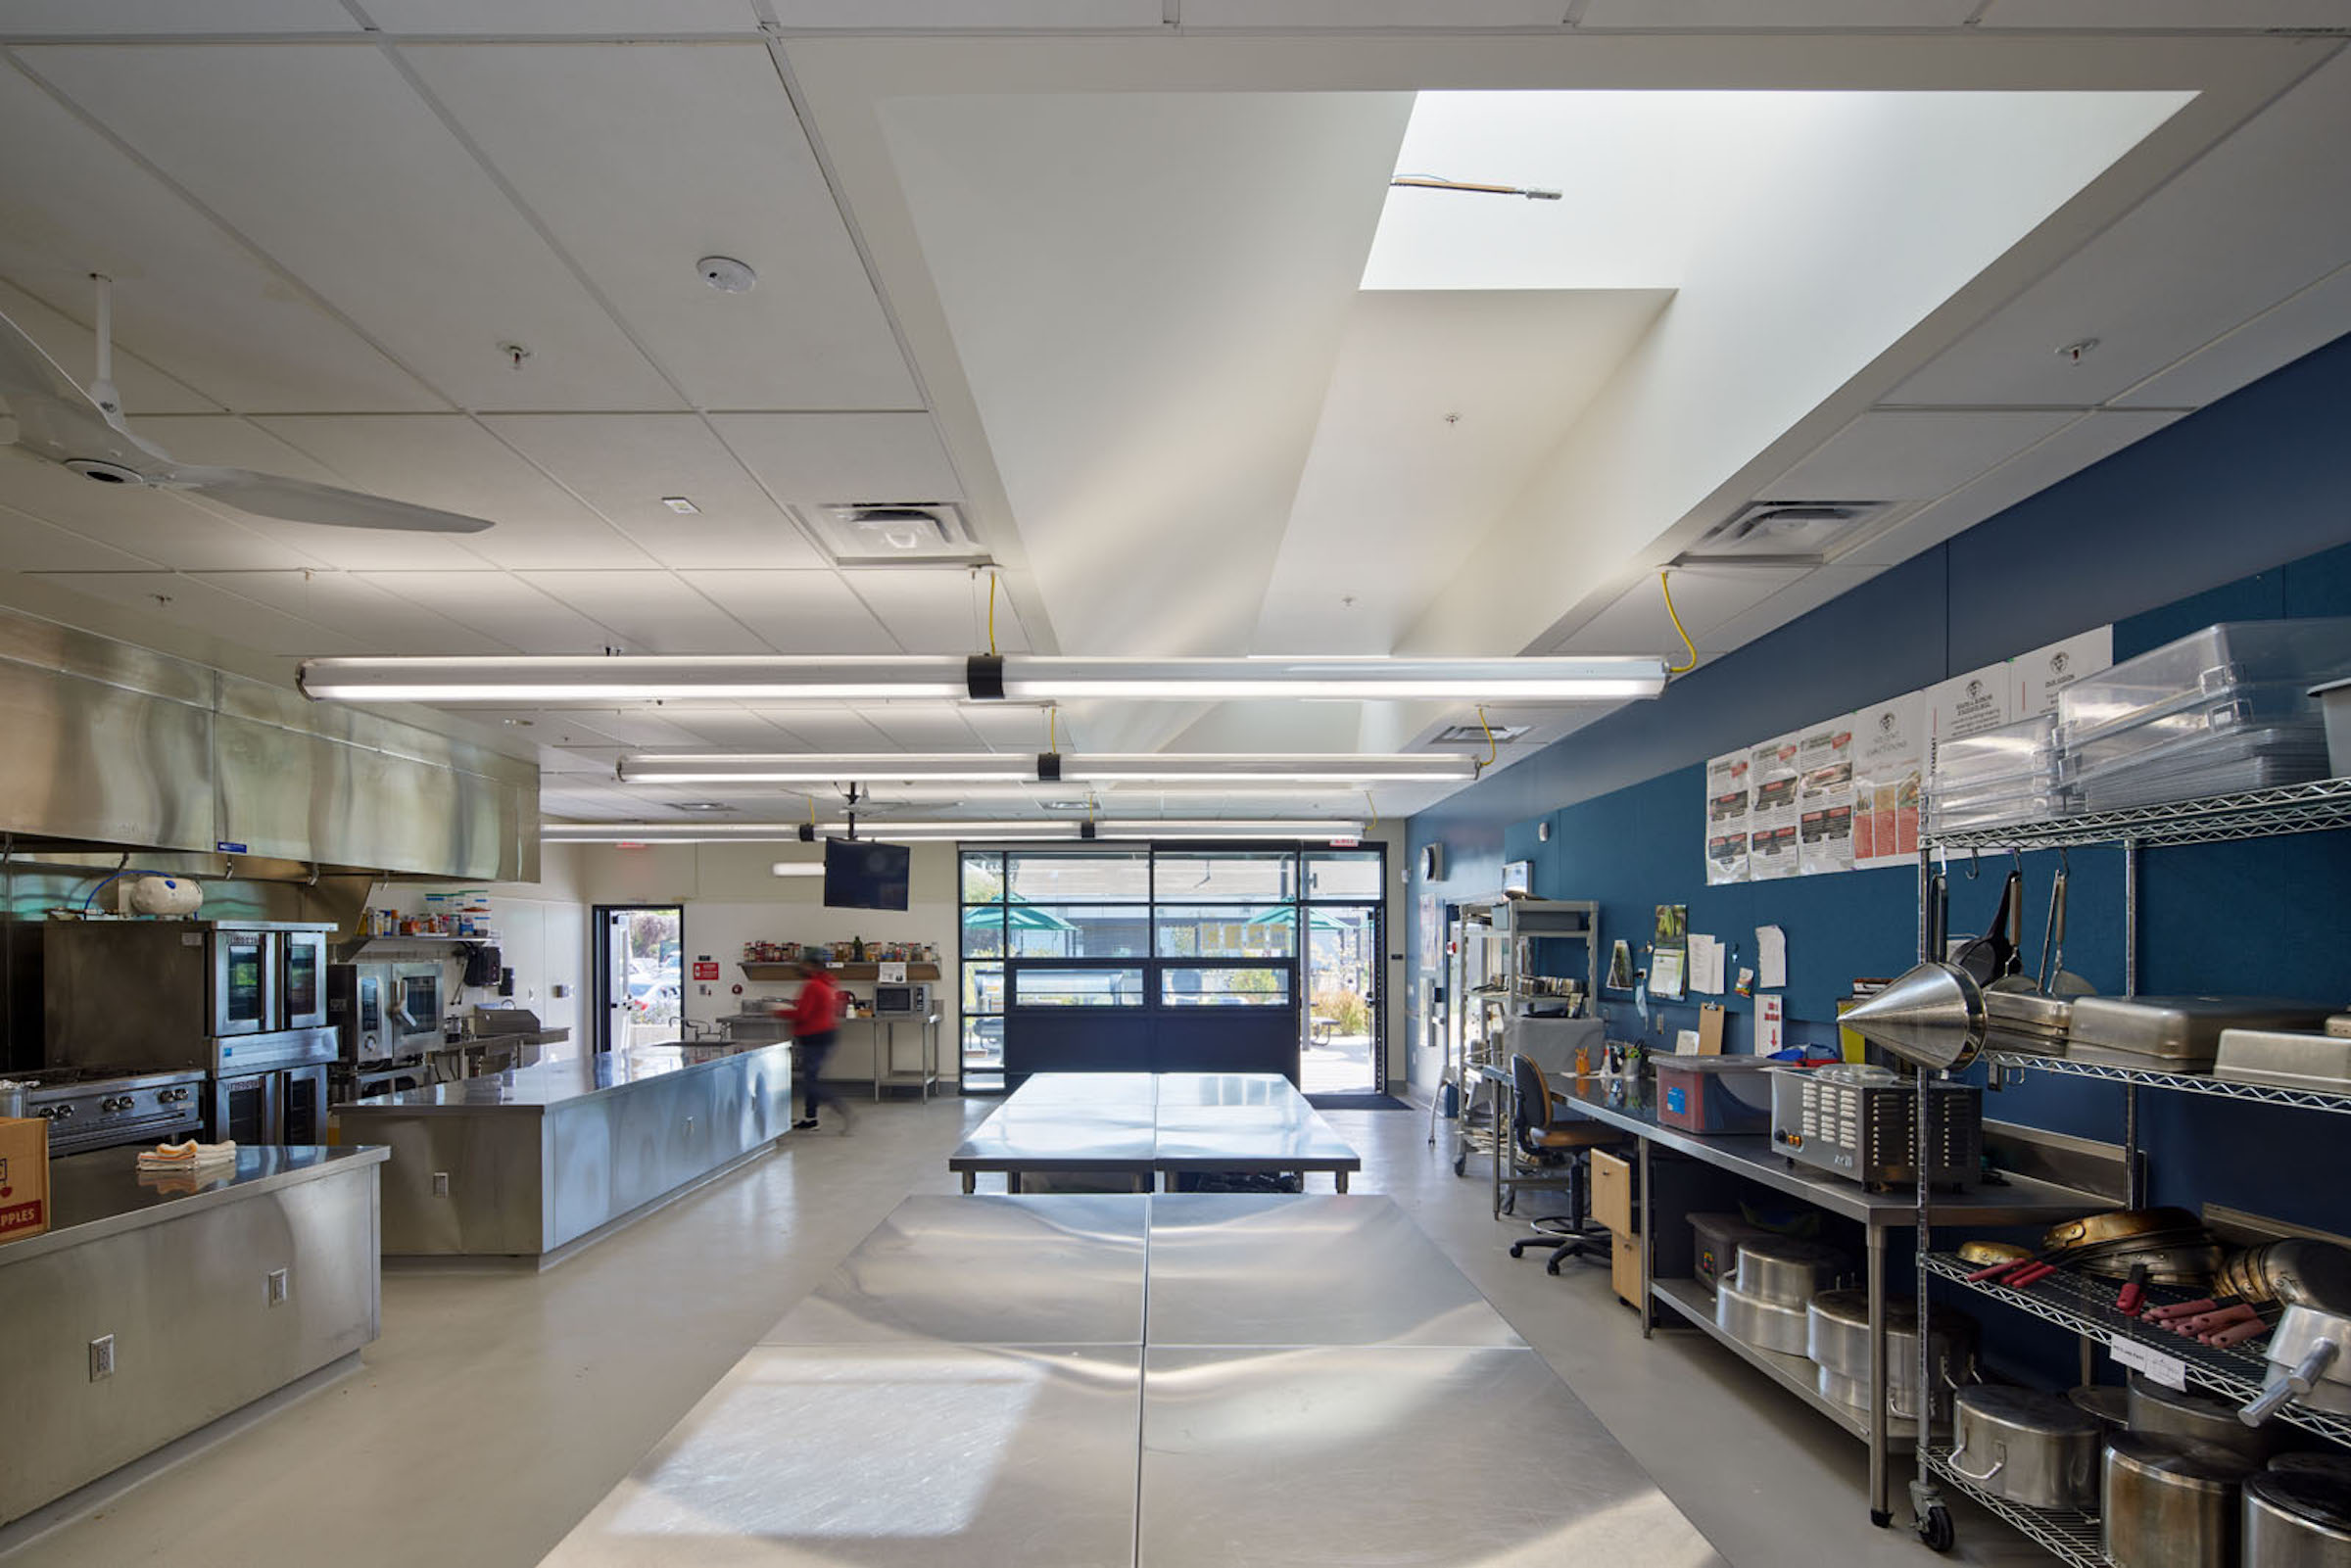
x=1666 y=972
x=1707 y=958
x=2044 y=672
x=891 y=974
x=1824 y=760
x=1972 y=704
x=1771 y=1025
x=1772 y=781
x=1771 y=957
x=1726 y=819
x=1890 y=766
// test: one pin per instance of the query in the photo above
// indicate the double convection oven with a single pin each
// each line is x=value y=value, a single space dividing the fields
x=244 y=1001
x=388 y=1016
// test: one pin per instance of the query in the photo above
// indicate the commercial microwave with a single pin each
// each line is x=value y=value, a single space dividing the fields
x=908 y=1000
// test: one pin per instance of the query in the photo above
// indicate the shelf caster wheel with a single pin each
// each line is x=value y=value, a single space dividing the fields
x=1510 y=1205
x=1883 y=1518
x=1518 y=1249
x=1461 y=1165
x=1936 y=1529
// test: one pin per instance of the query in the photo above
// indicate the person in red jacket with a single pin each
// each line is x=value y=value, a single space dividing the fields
x=815 y=1026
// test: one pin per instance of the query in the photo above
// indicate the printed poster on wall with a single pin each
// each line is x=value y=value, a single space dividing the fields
x=1772 y=780
x=1726 y=819
x=1889 y=767
x=2044 y=672
x=1824 y=796
x=1970 y=704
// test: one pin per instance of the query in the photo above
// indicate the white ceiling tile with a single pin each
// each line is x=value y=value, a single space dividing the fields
x=640 y=158
x=734 y=729
x=1747 y=14
x=2272 y=340
x=499 y=605
x=144 y=389
x=837 y=728
x=1447 y=14
x=1913 y=455
x=2158 y=14
x=879 y=16
x=1704 y=597
x=377 y=620
x=154 y=524
x=816 y=457
x=797 y=612
x=923 y=725
x=2262 y=216
x=1807 y=594
x=652 y=610
x=2070 y=450
x=448 y=461
x=561 y=18
x=634 y=728
x=33 y=18
x=936 y=611
x=188 y=299
x=327 y=160
x=550 y=728
x=1016 y=727
x=28 y=545
x=623 y=464
x=171 y=599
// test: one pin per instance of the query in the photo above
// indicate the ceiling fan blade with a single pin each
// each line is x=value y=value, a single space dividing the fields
x=299 y=500
x=26 y=372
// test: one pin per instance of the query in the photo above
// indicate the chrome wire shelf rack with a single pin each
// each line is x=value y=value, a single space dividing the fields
x=2184 y=1082
x=2302 y=808
x=2068 y=1535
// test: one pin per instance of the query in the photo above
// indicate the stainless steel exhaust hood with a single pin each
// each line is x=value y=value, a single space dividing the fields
x=108 y=744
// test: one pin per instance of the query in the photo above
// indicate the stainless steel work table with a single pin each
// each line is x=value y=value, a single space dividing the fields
x=209 y=1290
x=1162 y=1379
x=1624 y=1104
x=525 y=1163
x=1140 y=1125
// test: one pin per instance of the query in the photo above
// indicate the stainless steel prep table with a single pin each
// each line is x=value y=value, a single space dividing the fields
x=848 y=1436
x=1142 y=1125
x=211 y=1288
x=2021 y=1201
x=526 y=1163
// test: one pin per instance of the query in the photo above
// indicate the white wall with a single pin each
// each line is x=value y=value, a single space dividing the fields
x=731 y=897
x=542 y=935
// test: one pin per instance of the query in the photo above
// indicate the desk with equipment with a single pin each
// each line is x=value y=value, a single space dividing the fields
x=1142 y=1125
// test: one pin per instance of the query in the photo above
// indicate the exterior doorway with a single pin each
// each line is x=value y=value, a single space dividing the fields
x=1341 y=1053
x=641 y=973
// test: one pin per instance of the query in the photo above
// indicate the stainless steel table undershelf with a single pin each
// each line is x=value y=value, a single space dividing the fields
x=1623 y=1104
x=1284 y=1359
x=1139 y=1125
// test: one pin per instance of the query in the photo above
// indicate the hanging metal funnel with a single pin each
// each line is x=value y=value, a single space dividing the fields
x=1933 y=1016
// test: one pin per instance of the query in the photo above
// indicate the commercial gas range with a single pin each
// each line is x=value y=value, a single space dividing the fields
x=101 y=1107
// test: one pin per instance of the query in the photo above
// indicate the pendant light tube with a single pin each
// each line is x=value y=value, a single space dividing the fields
x=886 y=830
x=592 y=681
x=740 y=767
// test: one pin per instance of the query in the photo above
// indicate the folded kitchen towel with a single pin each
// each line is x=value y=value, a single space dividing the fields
x=186 y=1156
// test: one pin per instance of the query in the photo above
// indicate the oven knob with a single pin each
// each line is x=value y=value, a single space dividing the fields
x=110 y=1103
x=57 y=1113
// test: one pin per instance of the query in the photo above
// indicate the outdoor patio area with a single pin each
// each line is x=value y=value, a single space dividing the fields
x=1338 y=1065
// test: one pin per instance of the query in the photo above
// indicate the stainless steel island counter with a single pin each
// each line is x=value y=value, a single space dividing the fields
x=155 y=1303
x=526 y=1163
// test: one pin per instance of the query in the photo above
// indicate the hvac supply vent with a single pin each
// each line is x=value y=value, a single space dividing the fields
x=1472 y=734
x=1783 y=533
x=870 y=532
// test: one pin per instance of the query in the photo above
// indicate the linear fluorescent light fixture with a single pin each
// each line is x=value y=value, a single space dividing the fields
x=600 y=680
x=988 y=767
x=886 y=830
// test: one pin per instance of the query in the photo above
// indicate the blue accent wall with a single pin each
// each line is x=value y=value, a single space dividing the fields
x=2239 y=511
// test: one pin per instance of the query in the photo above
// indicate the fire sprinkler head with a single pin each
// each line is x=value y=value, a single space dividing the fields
x=726 y=275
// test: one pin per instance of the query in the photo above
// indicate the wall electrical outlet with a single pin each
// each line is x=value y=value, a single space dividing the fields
x=102 y=1358
x=274 y=1293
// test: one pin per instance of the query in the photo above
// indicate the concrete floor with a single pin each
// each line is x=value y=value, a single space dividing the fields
x=498 y=1409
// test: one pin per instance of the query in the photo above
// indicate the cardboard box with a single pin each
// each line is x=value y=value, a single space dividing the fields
x=1624 y=1266
x=24 y=1176
x=1612 y=1191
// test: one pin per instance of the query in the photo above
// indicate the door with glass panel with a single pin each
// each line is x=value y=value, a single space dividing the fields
x=1345 y=999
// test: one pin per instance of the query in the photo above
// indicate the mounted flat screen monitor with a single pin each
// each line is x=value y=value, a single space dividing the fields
x=865 y=875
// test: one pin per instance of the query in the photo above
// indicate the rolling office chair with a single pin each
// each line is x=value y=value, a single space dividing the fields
x=1537 y=1140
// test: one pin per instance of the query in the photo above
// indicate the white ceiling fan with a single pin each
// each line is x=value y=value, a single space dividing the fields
x=83 y=433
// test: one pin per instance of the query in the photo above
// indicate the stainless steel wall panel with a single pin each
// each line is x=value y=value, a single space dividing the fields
x=47 y=646
x=90 y=760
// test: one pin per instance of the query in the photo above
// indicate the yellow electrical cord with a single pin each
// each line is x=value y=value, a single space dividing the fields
x=1374 y=805
x=992 y=615
x=1665 y=586
x=1052 y=729
x=1493 y=751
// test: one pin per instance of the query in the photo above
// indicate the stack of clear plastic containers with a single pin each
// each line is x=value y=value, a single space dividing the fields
x=2223 y=710
x=2008 y=775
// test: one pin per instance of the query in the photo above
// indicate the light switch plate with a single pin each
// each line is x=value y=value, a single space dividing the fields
x=439 y=1183
x=273 y=1292
x=102 y=1358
